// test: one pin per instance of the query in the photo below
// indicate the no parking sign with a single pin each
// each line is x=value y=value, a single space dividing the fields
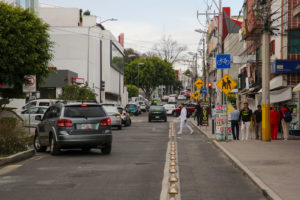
x=30 y=83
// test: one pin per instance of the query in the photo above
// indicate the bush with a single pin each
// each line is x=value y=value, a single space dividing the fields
x=12 y=136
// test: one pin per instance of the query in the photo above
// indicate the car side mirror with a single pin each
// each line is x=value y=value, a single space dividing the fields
x=38 y=118
x=23 y=107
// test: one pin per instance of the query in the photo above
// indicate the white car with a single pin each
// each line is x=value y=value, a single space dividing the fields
x=142 y=105
x=181 y=97
x=29 y=115
x=169 y=108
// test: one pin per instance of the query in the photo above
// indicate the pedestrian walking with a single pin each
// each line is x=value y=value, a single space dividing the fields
x=183 y=120
x=286 y=118
x=245 y=119
x=235 y=116
x=274 y=121
x=198 y=113
x=257 y=122
x=213 y=116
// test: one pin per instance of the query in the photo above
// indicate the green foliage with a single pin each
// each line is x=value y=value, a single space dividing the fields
x=87 y=13
x=132 y=91
x=12 y=136
x=133 y=55
x=74 y=92
x=152 y=73
x=187 y=72
x=25 y=46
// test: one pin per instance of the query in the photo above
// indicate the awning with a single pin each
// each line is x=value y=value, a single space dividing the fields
x=284 y=94
x=297 y=88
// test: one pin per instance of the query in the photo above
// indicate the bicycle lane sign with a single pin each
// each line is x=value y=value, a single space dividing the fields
x=223 y=61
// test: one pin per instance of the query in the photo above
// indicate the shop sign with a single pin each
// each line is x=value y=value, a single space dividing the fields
x=285 y=66
x=223 y=124
x=204 y=113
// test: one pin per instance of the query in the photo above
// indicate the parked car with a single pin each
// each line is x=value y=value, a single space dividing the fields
x=155 y=101
x=181 y=97
x=132 y=108
x=113 y=113
x=76 y=125
x=124 y=116
x=169 y=108
x=39 y=102
x=172 y=100
x=29 y=115
x=189 y=107
x=165 y=98
x=142 y=105
x=157 y=113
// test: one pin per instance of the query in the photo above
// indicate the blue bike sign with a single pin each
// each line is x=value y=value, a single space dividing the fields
x=223 y=61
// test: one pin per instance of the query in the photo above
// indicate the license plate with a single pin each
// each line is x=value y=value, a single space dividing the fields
x=157 y=117
x=87 y=126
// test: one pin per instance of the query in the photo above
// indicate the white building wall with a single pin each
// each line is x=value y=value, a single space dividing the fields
x=61 y=17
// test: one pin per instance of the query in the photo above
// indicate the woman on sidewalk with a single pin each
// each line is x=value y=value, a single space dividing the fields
x=274 y=120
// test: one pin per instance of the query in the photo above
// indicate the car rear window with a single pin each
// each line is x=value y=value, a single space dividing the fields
x=157 y=108
x=84 y=111
x=110 y=109
x=44 y=104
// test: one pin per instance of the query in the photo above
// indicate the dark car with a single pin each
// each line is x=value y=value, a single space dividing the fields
x=124 y=116
x=157 y=113
x=75 y=125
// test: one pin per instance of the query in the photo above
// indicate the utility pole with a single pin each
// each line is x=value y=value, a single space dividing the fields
x=220 y=50
x=266 y=77
x=204 y=67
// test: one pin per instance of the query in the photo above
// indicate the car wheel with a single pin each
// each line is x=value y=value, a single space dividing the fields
x=129 y=123
x=165 y=119
x=120 y=127
x=149 y=120
x=86 y=149
x=106 y=150
x=54 y=150
x=175 y=114
x=37 y=145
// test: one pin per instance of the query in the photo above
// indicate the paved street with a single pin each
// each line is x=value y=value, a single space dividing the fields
x=134 y=170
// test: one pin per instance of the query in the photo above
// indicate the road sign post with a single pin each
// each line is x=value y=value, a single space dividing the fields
x=30 y=83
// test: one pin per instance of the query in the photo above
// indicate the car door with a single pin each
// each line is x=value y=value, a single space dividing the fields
x=44 y=135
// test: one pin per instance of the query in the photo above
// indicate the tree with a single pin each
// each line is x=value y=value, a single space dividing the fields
x=74 y=92
x=169 y=50
x=187 y=72
x=87 y=13
x=25 y=46
x=152 y=73
x=131 y=55
x=132 y=91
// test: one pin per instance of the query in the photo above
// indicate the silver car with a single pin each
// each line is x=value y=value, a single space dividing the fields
x=113 y=113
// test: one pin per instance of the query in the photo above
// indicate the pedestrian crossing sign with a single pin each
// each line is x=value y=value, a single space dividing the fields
x=191 y=97
x=199 y=83
x=226 y=84
x=196 y=95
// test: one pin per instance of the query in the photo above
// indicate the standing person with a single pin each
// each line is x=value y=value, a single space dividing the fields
x=213 y=116
x=245 y=118
x=235 y=116
x=198 y=113
x=183 y=120
x=286 y=118
x=257 y=122
x=274 y=121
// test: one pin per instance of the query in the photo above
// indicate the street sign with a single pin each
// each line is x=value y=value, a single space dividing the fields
x=191 y=97
x=223 y=61
x=199 y=83
x=204 y=91
x=196 y=95
x=226 y=84
x=30 y=83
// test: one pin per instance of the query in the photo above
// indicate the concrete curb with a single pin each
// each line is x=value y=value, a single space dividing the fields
x=268 y=192
x=17 y=157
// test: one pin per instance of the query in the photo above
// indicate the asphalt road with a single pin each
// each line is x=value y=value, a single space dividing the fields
x=133 y=171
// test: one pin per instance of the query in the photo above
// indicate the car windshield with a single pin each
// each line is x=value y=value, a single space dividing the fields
x=120 y=110
x=111 y=109
x=157 y=108
x=84 y=111
x=131 y=105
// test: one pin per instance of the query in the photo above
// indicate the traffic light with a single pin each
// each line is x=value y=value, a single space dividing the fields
x=102 y=85
x=209 y=85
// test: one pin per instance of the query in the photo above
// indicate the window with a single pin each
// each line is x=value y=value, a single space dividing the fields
x=88 y=111
x=294 y=41
x=117 y=58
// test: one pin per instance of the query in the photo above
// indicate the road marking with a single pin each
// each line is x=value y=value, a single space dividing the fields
x=171 y=182
x=8 y=168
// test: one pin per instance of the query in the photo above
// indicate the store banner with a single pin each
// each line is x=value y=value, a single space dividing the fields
x=204 y=113
x=223 y=124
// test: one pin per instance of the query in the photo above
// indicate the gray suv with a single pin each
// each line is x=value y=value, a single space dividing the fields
x=75 y=125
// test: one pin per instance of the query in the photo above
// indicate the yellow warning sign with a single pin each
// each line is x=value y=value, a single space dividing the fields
x=196 y=95
x=191 y=97
x=199 y=83
x=226 y=84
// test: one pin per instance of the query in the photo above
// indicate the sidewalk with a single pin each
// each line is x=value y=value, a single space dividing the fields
x=271 y=165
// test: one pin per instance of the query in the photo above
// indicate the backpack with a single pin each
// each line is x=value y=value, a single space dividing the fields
x=287 y=116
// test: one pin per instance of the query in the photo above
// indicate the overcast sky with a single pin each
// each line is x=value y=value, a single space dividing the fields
x=144 y=22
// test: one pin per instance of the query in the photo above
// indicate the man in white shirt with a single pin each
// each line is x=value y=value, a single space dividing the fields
x=183 y=120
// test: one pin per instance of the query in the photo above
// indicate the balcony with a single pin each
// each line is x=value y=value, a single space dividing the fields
x=246 y=34
x=255 y=22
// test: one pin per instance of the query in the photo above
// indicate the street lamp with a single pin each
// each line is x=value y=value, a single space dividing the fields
x=111 y=19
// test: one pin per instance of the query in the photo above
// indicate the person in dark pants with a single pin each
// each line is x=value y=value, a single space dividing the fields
x=198 y=113
x=235 y=116
x=257 y=122
x=213 y=118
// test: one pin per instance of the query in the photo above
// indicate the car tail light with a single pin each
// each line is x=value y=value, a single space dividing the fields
x=165 y=112
x=117 y=115
x=83 y=105
x=64 y=123
x=106 y=122
x=150 y=113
